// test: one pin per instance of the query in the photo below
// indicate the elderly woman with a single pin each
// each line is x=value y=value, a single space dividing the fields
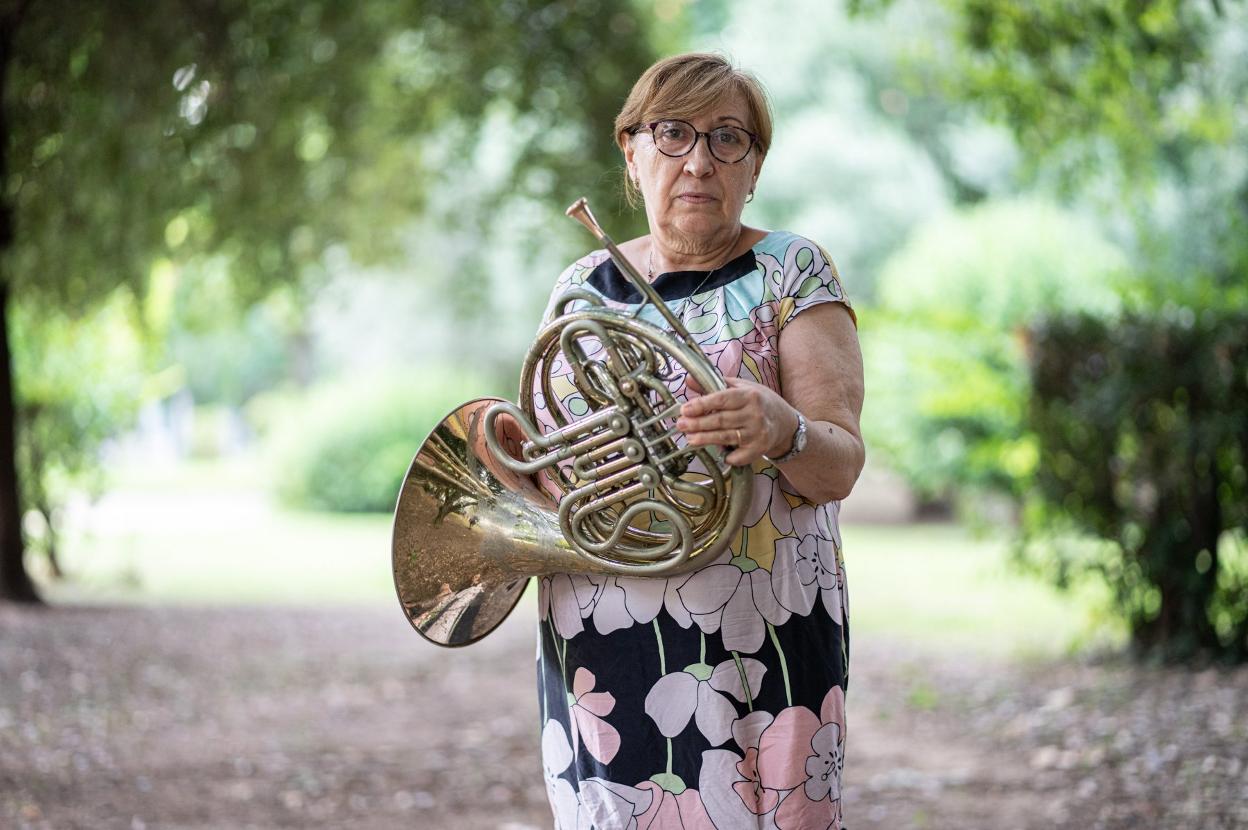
x=716 y=699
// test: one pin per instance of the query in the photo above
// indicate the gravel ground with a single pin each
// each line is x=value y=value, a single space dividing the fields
x=273 y=717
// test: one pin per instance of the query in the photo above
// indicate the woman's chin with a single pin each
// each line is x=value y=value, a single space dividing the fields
x=700 y=226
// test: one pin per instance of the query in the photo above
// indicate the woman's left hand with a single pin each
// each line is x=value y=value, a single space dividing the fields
x=747 y=416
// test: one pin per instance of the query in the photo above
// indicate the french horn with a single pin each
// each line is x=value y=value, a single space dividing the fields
x=490 y=501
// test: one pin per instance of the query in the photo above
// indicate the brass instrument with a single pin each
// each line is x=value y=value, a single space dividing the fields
x=476 y=515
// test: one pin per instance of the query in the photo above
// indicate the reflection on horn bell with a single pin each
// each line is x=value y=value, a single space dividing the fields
x=491 y=500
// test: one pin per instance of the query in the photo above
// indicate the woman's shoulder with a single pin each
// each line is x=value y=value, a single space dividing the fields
x=578 y=272
x=797 y=267
x=794 y=250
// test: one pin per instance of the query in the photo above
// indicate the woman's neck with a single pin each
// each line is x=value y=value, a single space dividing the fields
x=677 y=253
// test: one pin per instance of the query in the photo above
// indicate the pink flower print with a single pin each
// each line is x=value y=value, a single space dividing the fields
x=726 y=356
x=807 y=564
x=756 y=798
x=725 y=597
x=761 y=344
x=769 y=771
x=722 y=771
x=784 y=746
x=566 y=599
x=669 y=811
x=817 y=803
x=695 y=693
x=588 y=710
x=826 y=765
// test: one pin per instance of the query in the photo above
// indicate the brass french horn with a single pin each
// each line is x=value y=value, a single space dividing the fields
x=490 y=501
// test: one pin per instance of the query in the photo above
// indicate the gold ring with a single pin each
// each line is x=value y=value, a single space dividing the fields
x=738 y=436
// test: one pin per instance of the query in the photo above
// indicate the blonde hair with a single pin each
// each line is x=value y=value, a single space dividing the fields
x=684 y=86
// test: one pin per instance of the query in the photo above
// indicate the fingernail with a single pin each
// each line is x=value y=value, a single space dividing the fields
x=682 y=424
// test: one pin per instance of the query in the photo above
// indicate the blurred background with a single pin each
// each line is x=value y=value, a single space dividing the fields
x=251 y=251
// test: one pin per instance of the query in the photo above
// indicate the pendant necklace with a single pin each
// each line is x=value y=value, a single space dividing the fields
x=680 y=310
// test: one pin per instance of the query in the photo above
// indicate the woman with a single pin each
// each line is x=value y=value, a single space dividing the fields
x=716 y=699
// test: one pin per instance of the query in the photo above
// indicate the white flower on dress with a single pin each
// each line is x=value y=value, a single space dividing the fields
x=768 y=499
x=695 y=693
x=719 y=777
x=566 y=599
x=826 y=765
x=725 y=597
x=557 y=757
x=807 y=564
x=606 y=805
x=621 y=601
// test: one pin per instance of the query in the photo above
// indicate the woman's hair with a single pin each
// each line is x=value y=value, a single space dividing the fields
x=684 y=86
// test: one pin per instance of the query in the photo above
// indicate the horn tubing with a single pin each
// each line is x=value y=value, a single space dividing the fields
x=579 y=210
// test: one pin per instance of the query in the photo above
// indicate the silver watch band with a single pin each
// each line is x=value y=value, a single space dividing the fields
x=798 y=445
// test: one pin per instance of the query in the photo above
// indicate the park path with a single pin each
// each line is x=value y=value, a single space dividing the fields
x=177 y=717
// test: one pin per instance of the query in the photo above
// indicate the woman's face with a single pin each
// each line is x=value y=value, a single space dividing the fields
x=694 y=203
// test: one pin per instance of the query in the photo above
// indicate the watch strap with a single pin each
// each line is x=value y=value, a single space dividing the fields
x=798 y=443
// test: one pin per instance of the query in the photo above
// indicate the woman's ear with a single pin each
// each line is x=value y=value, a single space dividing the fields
x=626 y=144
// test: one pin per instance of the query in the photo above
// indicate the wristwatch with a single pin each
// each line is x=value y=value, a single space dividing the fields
x=799 y=442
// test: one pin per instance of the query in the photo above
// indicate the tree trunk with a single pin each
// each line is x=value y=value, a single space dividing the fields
x=15 y=583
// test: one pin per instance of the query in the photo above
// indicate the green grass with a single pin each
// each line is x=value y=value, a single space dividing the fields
x=938 y=585
x=207 y=533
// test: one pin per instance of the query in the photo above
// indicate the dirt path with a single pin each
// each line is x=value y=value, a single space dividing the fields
x=236 y=718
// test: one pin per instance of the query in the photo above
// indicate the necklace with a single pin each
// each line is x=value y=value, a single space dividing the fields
x=680 y=310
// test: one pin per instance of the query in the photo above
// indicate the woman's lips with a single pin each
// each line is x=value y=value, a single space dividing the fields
x=696 y=198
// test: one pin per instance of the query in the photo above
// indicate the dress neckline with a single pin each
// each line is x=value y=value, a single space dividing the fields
x=608 y=281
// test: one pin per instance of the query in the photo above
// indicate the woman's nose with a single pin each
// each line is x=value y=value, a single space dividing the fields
x=699 y=161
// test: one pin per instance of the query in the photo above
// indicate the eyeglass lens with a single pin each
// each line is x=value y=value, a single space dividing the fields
x=727 y=143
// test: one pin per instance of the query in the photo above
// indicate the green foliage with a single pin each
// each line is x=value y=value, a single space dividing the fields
x=245 y=139
x=346 y=446
x=1141 y=427
x=81 y=381
x=264 y=131
x=947 y=344
x=226 y=350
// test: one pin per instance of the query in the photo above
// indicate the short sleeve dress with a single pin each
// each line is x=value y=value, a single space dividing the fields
x=714 y=699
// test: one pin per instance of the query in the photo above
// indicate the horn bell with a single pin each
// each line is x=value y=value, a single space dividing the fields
x=468 y=532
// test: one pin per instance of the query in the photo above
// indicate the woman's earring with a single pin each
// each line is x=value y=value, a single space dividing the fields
x=749 y=198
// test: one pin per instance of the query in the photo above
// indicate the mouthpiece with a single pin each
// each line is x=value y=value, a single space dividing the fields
x=579 y=210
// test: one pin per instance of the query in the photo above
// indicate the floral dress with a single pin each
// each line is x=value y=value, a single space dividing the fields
x=714 y=699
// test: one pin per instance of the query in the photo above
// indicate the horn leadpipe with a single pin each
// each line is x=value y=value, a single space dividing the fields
x=579 y=210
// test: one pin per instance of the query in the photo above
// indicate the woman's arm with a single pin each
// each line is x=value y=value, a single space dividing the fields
x=820 y=376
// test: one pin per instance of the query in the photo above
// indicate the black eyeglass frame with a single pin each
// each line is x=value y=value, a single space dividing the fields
x=697 y=134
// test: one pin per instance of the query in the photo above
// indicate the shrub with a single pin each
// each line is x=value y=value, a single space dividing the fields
x=79 y=382
x=946 y=372
x=1143 y=437
x=346 y=445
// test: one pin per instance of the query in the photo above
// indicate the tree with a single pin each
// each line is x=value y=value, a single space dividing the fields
x=1136 y=102
x=265 y=131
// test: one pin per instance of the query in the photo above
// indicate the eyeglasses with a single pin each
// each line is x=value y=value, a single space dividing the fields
x=677 y=138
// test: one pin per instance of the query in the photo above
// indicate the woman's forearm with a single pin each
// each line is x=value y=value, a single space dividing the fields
x=828 y=467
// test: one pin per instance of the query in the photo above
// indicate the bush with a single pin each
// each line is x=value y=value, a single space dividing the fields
x=1143 y=442
x=946 y=371
x=346 y=445
x=79 y=381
